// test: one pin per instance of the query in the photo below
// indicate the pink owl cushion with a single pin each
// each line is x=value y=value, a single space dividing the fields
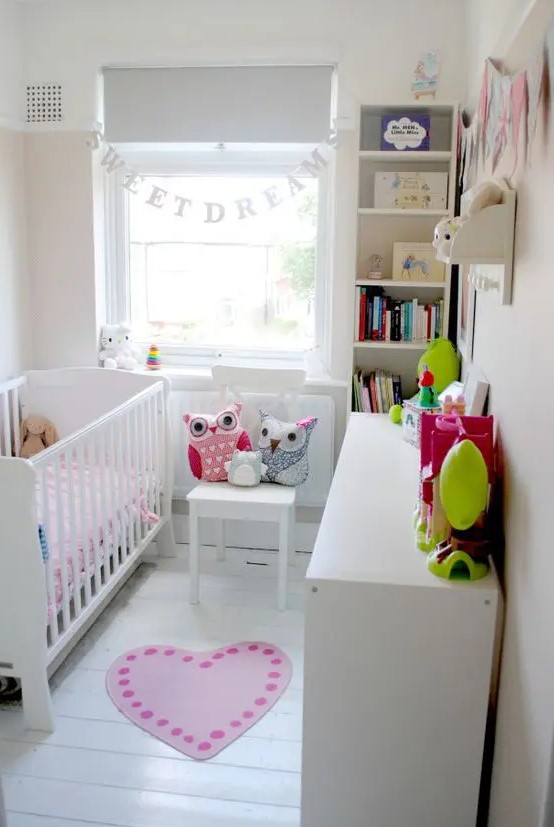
x=212 y=441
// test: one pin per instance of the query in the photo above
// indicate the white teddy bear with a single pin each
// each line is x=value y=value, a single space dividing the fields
x=116 y=347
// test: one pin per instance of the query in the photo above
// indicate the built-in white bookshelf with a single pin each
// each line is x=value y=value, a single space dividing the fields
x=379 y=227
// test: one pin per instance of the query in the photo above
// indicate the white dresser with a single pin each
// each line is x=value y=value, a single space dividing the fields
x=398 y=663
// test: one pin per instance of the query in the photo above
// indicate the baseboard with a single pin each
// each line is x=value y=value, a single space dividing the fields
x=246 y=534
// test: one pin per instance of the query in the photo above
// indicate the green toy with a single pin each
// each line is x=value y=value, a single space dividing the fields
x=456 y=565
x=464 y=485
x=442 y=360
x=395 y=414
x=427 y=397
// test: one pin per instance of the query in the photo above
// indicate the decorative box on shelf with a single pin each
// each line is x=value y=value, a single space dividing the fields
x=405 y=133
x=411 y=190
x=411 y=419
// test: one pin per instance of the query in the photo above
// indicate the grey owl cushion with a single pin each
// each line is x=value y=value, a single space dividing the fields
x=284 y=448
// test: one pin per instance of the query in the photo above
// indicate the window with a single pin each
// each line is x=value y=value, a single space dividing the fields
x=244 y=286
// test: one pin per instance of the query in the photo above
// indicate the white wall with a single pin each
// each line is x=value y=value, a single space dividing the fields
x=11 y=76
x=502 y=29
x=14 y=330
x=513 y=346
x=69 y=42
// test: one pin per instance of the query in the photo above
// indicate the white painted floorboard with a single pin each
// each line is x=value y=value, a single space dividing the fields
x=97 y=768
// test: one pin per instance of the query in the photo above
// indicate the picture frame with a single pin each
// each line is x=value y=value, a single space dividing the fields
x=416 y=261
x=466 y=314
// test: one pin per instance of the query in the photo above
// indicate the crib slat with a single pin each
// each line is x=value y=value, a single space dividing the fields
x=121 y=488
x=136 y=477
x=126 y=439
x=85 y=528
x=158 y=466
x=105 y=505
x=128 y=426
x=75 y=554
x=99 y=550
x=143 y=455
x=60 y=521
x=150 y=456
x=6 y=426
x=44 y=512
x=15 y=419
x=114 y=498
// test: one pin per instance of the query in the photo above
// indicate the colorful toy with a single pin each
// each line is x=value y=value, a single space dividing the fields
x=116 y=347
x=451 y=406
x=445 y=232
x=456 y=470
x=37 y=433
x=463 y=484
x=442 y=360
x=245 y=468
x=284 y=449
x=213 y=440
x=427 y=397
x=153 y=360
x=395 y=414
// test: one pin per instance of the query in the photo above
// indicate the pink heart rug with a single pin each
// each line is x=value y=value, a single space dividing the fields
x=198 y=702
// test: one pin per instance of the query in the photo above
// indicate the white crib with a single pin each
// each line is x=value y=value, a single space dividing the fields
x=100 y=496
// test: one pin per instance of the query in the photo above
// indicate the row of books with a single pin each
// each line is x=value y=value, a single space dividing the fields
x=384 y=319
x=375 y=392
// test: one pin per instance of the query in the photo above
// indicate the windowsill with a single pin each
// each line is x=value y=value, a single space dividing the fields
x=186 y=375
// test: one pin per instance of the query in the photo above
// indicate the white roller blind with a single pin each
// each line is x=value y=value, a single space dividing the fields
x=247 y=104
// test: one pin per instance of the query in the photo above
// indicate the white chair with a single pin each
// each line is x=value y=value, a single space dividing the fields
x=267 y=502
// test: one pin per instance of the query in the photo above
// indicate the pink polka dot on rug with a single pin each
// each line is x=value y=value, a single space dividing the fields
x=198 y=702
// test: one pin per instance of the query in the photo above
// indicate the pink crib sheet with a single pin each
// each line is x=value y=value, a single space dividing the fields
x=95 y=535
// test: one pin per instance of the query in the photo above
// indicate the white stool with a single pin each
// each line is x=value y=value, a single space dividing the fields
x=220 y=501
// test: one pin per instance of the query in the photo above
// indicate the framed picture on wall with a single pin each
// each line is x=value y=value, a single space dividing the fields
x=466 y=315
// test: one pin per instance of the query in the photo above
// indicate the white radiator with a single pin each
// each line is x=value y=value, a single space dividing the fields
x=314 y=491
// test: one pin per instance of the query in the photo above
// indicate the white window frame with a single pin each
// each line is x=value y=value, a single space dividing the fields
x=177 y=160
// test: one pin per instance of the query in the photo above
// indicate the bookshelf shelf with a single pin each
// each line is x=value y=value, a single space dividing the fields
x=392 y=345
x=403 y=157
x=422 y=308
x=405 y=213
x=417 y=285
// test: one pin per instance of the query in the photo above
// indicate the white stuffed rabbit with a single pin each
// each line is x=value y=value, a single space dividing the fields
x=116 y=347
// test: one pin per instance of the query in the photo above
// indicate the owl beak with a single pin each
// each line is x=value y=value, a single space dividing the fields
x=213 y=428
x=274 y=444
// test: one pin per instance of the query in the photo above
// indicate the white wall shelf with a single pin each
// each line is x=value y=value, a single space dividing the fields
x=487 y=238
x=403 y=157
x=400 y=212
x=392 y=345
x=432 y=285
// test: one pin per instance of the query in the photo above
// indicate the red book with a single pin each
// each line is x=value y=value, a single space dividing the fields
x=361 y=329
x=383 y=325
x=373 y=392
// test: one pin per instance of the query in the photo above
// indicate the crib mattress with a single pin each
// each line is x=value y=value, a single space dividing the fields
x=77 y=519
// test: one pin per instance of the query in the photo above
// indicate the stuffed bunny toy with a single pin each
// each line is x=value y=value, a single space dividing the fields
x=37 y=433
x=116 y=347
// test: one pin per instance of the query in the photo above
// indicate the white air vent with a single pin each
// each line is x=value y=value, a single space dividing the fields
x=44 y=103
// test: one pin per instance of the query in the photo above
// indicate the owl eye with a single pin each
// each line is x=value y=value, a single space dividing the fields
x=227 y=421
x=126 y=338
x=291 y=437
x=109 y=340
x=264 y=432
x=447 y=236
x=198 y=426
